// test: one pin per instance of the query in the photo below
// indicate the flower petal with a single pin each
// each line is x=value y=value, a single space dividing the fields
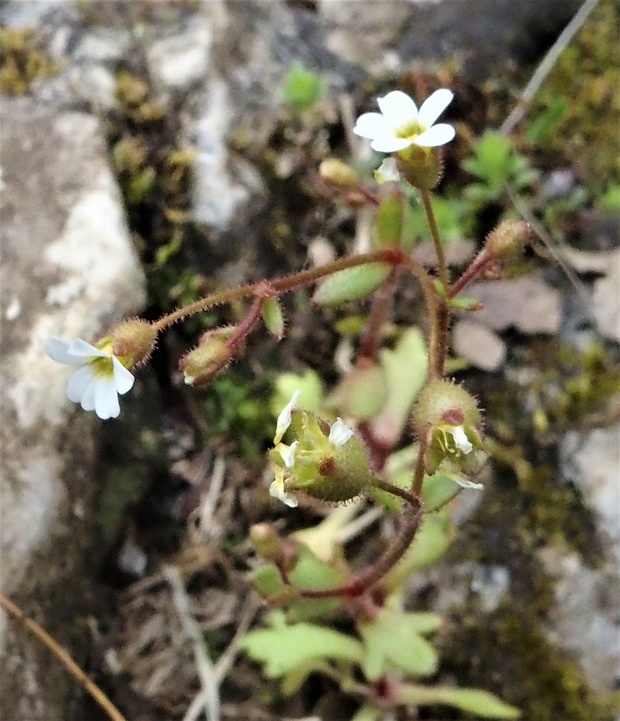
x=58 y=350
x=87 y=401
x=434 y=106
x=372 y=125
x=79 y=382
x=398 y=108
x=461 y=440
x=284 y=419
x=123 y=379
x=106 y=398
x=391 y=144
x=437 y=135
x=276 y=489
x=79 y=347
x=339 y=433
x=287 y=453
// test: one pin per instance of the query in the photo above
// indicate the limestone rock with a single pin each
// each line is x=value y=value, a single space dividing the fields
x=70 y=270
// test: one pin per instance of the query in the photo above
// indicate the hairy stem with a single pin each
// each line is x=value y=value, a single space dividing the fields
x=279 y=285
x=380 y=309
x=432 y=224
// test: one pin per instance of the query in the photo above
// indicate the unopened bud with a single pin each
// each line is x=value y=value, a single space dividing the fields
x=508 y=240
x=420 y=167
x=337 y=174
x=132 y=341
x=210 y=357
x=266 y=541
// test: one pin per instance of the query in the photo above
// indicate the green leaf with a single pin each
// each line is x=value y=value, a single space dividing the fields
x=405 y=368
x=438 y=490
x=312 y=573
x=351 y=284
x=391 y=639
x=267 y=581
x=367 y=713
x=308 y=382
x=302 y=88
x=480 y=703
x=362 y=392
x=284 y=648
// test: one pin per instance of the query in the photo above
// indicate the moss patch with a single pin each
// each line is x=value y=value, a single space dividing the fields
x=21 y=61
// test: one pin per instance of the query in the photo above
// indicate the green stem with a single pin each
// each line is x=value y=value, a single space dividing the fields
x=432 y=224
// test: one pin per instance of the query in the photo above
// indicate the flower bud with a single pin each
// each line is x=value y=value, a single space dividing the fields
x=335 y=173
x=266 y=541
x=273 y=317
x=132 y=341
x=210 y=357
x=508 y=240
x=420 y=167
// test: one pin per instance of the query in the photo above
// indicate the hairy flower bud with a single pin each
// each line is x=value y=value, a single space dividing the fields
x=337 y=174
x=210 y=357
x=508 y=240
x=420 y=167
x=132 y=341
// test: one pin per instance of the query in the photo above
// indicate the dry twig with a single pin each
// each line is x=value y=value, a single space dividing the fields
x=65 y=659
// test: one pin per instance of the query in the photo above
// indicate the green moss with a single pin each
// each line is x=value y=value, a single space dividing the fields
x=585 y=82
x=508 y=653
x=21 y=61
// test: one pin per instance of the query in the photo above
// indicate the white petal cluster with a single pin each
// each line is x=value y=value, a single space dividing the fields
x=99 y=377
x=400 y=123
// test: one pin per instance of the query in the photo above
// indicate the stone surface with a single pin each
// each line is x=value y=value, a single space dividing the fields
x=481 y=346
x=527 y=304
x=606 y=301
x=69 y=270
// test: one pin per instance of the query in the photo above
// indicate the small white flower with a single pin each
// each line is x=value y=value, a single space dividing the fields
x=284 y=419
x=339 y=433
x=400 y=123
x=276 y=489
x=99 y=379
x=461 y=440
x=387 y=172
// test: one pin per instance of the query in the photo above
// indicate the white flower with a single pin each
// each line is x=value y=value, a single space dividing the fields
x=284 y=419
x=99 y=379
x=276 y=489
x=400 y=123
x=461 y=440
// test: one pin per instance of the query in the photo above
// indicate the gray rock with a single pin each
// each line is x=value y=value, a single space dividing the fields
x=527 y=303
x=481 y=346
x=591 y=461
x=70 y=270
x=585 y=620
x=606 y=301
